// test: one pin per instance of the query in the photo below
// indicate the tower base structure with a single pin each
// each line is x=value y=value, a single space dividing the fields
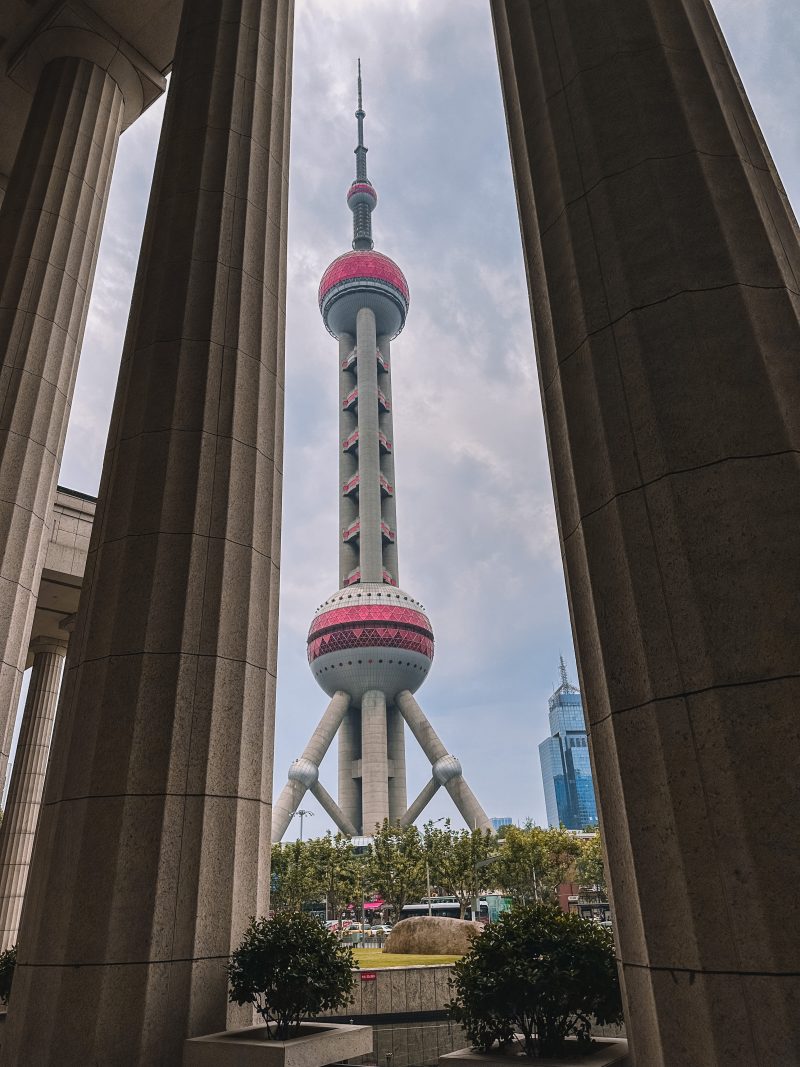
x=370 y=647
x=375 y=792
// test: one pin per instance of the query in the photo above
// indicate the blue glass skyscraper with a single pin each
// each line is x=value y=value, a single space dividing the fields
x=566 y=768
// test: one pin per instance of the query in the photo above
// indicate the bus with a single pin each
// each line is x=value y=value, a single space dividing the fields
x=447 y=907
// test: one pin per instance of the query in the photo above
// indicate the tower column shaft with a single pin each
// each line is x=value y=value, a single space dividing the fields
x=348 y=463
x=386 y=420
x=50 y=225
x=25 y=789
x=374 y=765
x=369 y=458
x=153 y=843
x=349 y=752
x=398 y=797
x=663 y=263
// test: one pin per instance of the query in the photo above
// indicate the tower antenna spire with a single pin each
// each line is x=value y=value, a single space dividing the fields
x=563 y=669
x=362 y=198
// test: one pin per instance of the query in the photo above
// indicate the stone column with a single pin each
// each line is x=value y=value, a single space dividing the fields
x=374 y=769
x=153 y=846
x=21 y=813
x=50 y=224
x=664 y=273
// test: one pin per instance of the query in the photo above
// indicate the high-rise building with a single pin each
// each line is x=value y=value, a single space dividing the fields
x=502 y=820
x=564 y=756
x=370 y=645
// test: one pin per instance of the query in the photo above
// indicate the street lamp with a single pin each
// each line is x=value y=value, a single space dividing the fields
x=302 y=812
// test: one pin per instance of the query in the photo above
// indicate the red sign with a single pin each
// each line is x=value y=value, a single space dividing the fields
x=369 y=976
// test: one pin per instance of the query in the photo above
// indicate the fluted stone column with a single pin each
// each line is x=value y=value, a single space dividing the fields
x=153 y=845
x=50 y=223
x=21 y=813
x=664 y=274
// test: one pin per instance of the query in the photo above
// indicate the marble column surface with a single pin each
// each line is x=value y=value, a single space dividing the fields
x=154 y=840
x=21 y=812
x=664 y=272
x=50 y=223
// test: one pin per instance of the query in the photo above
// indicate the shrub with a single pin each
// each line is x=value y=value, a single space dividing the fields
x=290 y=968
x=539 y=973
x=8 y=961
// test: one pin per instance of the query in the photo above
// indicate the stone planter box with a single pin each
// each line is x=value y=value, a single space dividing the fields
x=608 y=1052
x=317 y=1045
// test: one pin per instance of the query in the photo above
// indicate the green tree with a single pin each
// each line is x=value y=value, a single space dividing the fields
x=337 y=870
x=458 y=861
x=591 y=867
x=539 y=973
x=533 y=861
x=396 y=865
x=290 y=968
x=295 y=879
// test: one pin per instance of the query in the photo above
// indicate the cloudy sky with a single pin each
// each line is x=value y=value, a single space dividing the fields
x=477 y=533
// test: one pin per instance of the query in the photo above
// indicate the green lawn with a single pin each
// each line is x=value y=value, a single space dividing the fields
x=370 y=959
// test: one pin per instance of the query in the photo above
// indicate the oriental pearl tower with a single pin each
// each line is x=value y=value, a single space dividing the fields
x=370 y=645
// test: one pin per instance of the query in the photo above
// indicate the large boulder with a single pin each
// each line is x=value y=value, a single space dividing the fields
x=432 y=935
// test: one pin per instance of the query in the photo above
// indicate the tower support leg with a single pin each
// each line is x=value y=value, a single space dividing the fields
x=304 y=772
x=426 y=795
x=374 y=761
x=446 y=769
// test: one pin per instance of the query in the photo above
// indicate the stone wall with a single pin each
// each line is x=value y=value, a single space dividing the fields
x=407 y=1007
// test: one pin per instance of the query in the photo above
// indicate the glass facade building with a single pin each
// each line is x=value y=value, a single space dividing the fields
x=504 y=820
x=566 y=767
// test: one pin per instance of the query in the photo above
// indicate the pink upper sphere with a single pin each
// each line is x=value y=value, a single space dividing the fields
x=363 y=264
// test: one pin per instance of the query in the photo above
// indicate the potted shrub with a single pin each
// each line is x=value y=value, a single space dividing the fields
x=290 y=969
x=540 y=979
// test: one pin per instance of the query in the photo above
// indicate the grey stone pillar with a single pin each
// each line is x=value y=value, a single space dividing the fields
x=21 y=813
x=664 y=273
x=369 y=459
x=153 y=846
x=374 y=769
x=50 y=223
